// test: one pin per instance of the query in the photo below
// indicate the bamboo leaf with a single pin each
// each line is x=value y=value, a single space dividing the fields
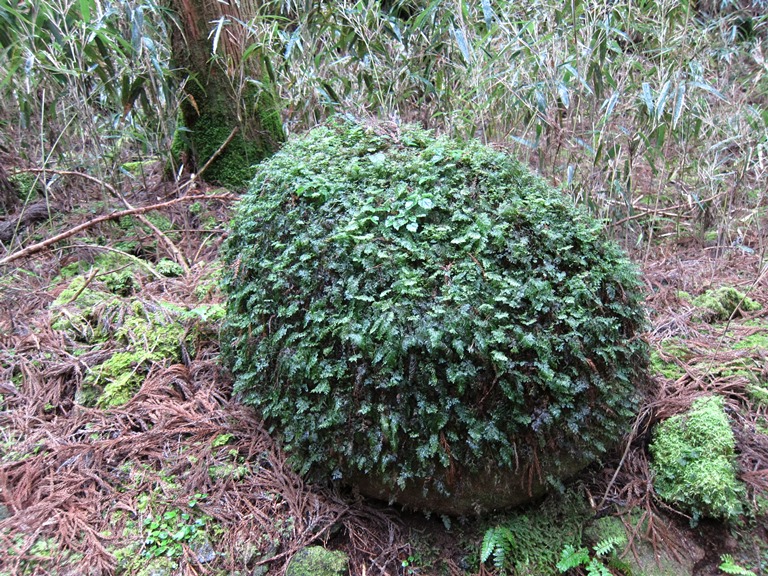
x=677 y=111
x=647 y=97
x=661 y=100
x=610 y=105
x=461 y=40
x=488 y=14
x=216 y=32
x=708 y=88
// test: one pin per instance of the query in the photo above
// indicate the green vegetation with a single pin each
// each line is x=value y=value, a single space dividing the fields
x=693 y=462
x=651 y=116
x=98 y=310
x=165 y=535
x=758 y=340
x=729 y=566
x=317 y=561
x=42 y=550
x=427 y=307
x=27 y=185
x=721 y=304
x=530 y=541
x=595 y=563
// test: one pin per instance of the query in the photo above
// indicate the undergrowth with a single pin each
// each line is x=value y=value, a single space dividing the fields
x=532 y=541
x=101 y=312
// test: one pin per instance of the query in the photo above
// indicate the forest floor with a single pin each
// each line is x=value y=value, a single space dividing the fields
x=122 y=450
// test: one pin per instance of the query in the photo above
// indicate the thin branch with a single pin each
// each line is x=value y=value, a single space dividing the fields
x=169 y=245
x=195 y=177
x=35 y=248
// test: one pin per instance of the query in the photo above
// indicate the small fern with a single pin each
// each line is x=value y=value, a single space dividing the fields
x=609 y=545
x=497 y=542
x=572 y=557
x=729 y=566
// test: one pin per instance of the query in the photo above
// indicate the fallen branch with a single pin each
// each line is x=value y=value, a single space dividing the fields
x=35 y=248
x=169 y=245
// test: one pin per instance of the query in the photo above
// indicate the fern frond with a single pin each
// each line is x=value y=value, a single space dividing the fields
x=597 y=568
x=572 y=557
x=609 y=545
x=489 y=544
x=729 y=566
x=497 y=542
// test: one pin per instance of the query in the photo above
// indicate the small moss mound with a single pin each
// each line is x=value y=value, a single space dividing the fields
x=132 y=333
x=721 y=304
x=693 y=462
x=411 y=312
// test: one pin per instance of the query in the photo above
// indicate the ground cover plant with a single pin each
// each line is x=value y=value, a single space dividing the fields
x=693 y=461
x=431 y=311
x=651 y=115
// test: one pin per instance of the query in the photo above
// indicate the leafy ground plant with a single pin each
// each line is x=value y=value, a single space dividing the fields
x=594 y=564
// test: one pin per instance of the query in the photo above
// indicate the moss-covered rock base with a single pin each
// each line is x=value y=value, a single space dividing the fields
x=318 y=561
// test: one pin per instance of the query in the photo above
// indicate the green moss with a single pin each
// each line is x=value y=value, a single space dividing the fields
x=43 y=556
x=668 y=370
x=758 y=340
x=317 y=561
x=80 y=295
x=138 y=168
x=169 y=268
x=145 y=333
x=206 y=127
x=27 y=185
x=693 y=461
x=268 y=110
x=208 y=285
x=72 y=314
x=720 y=304
x=121 y=282
x=122 y=375
x=758 y=394
x=233 y=168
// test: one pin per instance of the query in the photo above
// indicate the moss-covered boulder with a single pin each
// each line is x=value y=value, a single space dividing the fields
x=427 y=320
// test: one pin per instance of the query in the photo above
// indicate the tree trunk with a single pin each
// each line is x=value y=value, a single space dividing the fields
x=217 y=99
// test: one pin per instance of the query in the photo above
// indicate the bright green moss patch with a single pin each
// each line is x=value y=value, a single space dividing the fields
x=139 y=167
x=665 y=368
x=694 y=462
x=758 y=340
x=720 y=304
x=137 y=333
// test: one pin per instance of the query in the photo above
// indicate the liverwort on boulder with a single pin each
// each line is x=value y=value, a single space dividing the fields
x=428 y=321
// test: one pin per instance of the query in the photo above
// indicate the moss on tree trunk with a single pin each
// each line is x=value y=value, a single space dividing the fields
x=213 y=105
